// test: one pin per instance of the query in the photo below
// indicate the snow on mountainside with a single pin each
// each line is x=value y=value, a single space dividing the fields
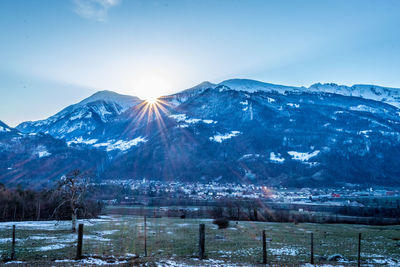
x=124 y=101
x=38 y=160
x=286 y=138
x=4 y=127
x=254 y=86
x=83 y=119
x=6 y=130
x=179 y=98
x=237 y=131
x=378 y=93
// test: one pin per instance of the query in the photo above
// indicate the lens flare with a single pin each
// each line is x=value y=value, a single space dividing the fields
x=151 y=100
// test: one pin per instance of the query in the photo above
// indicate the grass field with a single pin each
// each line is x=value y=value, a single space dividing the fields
x=172 y=240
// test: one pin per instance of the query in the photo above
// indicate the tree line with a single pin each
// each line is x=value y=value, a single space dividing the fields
x=69 y=199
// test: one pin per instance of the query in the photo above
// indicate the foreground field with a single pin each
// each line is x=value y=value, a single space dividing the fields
x=174 y=242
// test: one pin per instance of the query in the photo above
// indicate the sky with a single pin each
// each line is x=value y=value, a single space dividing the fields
x=55 y=53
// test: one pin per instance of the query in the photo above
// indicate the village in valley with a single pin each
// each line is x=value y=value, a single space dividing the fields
x=220 y=191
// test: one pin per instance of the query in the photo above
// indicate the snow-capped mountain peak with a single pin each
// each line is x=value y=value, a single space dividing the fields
x=125 y=101
x=182 y=96
x=254 y=86
x=4 y=128
x=83 y=118
x=378 y=93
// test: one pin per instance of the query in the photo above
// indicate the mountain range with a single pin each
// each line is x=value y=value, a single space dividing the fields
x=240 y=131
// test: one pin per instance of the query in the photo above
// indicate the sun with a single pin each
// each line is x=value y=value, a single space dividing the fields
x=151 y=100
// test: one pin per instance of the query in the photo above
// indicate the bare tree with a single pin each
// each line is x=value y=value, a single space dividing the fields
x=72 y=189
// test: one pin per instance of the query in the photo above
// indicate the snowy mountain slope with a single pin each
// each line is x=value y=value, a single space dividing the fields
x=6 y=130
x=86 y=119
x=179 y=98
x=123 y=101
x=291 y=139
x=385 y=94
x=254 y=86
x=251 y=133
x=39 y=160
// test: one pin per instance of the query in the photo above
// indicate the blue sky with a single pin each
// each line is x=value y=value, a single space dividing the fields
x=54 y=53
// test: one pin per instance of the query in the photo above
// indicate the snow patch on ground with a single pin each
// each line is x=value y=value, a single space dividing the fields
x=95 y=237
x=93 y=261
x=270 y=100
x=121 y=144
x=80 y=140
x=43 y=153
x=185 y=119
x=364 y=132
x=51 y=247
x=178 y=117
x=8 y=240
x=207 y=262
x=245 y=104
x=362 y=108
x=284 y=251
x=249 y=156
x=293 y=105
x=47 y=225
x=300 y=156
x=109 y=232
x=38 y=237
x=219 y=138
x=276 y=157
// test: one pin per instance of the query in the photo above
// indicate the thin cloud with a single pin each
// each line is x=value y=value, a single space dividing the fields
x=94 y=9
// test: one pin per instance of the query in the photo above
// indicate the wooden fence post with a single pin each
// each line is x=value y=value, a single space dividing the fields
x=145 y=236
x=202 y=238
x=13 y=244
x=312 y=249
x=359 y=250
x=80 y=240
x=264 y=243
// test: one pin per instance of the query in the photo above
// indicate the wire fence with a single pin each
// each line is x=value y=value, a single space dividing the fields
x=240 y=242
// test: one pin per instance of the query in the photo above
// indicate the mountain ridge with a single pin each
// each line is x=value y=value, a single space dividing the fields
x=251 y=133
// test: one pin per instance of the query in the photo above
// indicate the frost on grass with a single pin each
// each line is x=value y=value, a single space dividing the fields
x=109 y=232
x=41 y=237
x=48 y=225
x=207 y=262
x=8 y=240
x=284 y=251
x=95 y=237
x=51 y=247
x=93 y=261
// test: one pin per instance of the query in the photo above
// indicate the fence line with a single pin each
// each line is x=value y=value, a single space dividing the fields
x=202 y=241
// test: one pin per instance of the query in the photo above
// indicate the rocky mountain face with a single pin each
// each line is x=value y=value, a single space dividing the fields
x=237 y=131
